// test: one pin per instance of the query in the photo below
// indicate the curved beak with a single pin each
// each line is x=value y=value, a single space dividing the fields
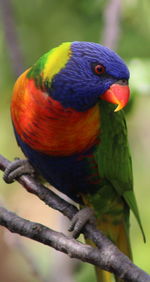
x=118 y=93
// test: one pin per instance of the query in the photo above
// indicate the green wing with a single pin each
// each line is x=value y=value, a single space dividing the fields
x=113 y=156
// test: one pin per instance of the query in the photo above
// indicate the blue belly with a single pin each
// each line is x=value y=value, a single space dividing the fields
x=70 y=175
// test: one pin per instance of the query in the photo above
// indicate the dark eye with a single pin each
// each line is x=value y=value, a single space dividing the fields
x=98 y=69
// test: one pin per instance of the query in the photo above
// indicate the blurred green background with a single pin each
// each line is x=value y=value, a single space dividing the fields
x=27 y=30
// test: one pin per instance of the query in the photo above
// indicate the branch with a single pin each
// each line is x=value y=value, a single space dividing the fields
x=47 y=236
x=11 y=36
x=111 y=30
x=107 y=256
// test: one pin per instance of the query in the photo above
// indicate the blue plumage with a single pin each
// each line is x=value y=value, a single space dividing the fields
x=83 y=88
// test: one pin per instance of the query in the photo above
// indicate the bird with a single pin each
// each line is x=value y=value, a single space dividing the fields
x=68 y=119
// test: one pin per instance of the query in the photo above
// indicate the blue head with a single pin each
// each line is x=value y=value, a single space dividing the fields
x=89 y=72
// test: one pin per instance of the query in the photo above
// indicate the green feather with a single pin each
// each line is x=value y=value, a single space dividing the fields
x=113 y=156
x=131 y=200
x=113 y=197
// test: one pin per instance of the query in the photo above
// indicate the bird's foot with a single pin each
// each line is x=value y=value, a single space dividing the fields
x=83 y=216
x=16 y=169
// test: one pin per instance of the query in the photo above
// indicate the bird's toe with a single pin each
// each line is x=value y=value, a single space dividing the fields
x=17 y=168
x=80 y=219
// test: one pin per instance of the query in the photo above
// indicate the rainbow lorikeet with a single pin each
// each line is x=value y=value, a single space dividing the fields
x=67 y=124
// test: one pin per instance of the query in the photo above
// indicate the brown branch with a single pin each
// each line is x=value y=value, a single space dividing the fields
x=106 y=255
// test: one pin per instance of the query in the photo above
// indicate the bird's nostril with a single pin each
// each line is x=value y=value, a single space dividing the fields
x=122 y=81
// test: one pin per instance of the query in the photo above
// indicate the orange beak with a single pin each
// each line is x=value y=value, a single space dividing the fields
x=117 y=94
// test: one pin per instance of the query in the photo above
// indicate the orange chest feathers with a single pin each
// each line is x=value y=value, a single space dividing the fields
x=47 y=127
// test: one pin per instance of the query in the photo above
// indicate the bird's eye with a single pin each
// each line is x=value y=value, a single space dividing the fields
x=98 y=69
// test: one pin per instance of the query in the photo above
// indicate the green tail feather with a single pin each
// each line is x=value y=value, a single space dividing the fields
x=131 y=201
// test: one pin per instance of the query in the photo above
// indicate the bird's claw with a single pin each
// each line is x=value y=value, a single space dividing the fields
x=80 y=219
x=17 y=168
